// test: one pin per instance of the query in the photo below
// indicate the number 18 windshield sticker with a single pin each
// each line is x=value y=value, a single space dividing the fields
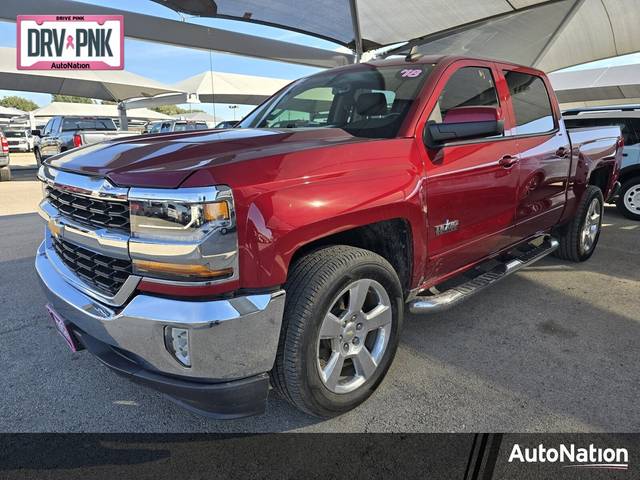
x=410 y=72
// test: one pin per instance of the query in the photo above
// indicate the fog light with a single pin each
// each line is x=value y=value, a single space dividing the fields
x=177 y=342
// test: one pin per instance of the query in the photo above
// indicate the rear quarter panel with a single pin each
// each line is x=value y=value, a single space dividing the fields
x=591 y=148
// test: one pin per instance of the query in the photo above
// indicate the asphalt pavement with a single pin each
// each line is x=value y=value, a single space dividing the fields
x=555 y=347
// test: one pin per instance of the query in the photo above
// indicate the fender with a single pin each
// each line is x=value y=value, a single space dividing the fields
x=288 y=201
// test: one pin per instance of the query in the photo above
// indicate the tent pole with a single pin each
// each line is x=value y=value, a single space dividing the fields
x=124 y=122
x=356 y=30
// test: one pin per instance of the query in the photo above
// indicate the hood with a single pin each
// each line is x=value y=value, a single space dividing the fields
x=166 y=160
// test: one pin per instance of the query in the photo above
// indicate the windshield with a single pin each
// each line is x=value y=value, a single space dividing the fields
x=368 y=101
x=15 y=134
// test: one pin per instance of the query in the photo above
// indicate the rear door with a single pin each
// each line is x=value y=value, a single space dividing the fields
x=471 y=184
x=545 y=156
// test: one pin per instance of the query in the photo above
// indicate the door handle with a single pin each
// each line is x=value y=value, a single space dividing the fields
x=508 y=161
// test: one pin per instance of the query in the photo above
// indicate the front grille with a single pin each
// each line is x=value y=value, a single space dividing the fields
x=103 y=273
x=90 y=211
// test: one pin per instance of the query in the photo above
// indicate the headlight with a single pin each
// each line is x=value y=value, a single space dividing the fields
x=183 y=234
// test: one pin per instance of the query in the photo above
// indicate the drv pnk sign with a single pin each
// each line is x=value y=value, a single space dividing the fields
x=70 y=42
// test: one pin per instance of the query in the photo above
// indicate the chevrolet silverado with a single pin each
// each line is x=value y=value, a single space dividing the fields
x=210 y=265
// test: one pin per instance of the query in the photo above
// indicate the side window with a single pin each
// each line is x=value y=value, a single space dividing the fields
x=47 y=128
x=633 y=128
x=166 y=127
x=468 y=87
x=55 y=126
x=531 y=104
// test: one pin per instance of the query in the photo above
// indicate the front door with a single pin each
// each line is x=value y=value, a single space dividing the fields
x=471 y=185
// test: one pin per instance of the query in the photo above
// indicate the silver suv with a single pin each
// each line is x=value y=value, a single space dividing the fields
x=628 y=119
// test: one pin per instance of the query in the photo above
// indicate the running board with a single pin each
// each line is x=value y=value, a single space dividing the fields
x=449 y=298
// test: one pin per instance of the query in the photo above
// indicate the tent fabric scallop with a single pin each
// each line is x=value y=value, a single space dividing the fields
x=548 y=34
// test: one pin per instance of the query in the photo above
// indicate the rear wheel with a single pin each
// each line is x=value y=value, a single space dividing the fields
x=340 y=330
x=5 y=174
x=578 y=238
x=628 y=202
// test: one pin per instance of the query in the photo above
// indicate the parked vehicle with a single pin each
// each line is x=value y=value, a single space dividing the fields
x=5 y=168
x=207 y=264
x=227 y=124
x=63 y=133
x=628 y=119
x=20 y=140
x=166 y=126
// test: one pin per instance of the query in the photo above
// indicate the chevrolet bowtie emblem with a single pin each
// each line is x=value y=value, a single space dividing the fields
x=54 y=228
x=447 y=227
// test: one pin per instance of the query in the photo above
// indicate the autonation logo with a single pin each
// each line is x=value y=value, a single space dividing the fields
x=572 y=456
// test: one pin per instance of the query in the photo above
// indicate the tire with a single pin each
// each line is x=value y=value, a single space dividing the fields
x=315 y=284
x=571 y=236
x=5 y=174
x=36 y=152
x=628 y=202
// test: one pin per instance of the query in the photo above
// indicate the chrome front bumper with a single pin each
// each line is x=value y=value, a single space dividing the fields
x=229 y=339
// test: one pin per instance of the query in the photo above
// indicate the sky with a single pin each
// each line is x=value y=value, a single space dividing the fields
x=168 y=64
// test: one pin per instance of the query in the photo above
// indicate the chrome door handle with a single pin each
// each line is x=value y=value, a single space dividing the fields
x=508 y=161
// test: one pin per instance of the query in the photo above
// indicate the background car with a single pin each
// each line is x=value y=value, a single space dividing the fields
x=227 y=124
x=63 y=133
x=20 y=140
x=5 y=169
x=628 y=119
x=167 y=126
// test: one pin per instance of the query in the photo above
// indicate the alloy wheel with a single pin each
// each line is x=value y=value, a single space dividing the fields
x=354 y=335
x=591 y=226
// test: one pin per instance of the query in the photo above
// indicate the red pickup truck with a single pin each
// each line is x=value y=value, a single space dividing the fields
x=210 y=264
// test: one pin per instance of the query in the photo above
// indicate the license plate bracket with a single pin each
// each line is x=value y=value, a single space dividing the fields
x=63 y=329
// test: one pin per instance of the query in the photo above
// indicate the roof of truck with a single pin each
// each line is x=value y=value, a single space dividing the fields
x=433 y=60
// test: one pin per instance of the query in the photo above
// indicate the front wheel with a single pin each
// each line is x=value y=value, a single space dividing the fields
x=340 y=329
x=578 y=238
x=628 y=202
x=38 y=155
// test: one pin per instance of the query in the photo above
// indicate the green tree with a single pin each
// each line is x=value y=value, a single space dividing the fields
x=71 y=99
x=174 y=110
x=20 y=103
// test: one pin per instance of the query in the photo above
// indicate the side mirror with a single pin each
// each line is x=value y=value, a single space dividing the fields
x=463 y=123
x=35 y=133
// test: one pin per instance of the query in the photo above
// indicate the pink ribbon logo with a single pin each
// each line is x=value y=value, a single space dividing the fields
x=70 y=42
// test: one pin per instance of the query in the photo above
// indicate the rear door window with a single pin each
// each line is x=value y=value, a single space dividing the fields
x=531 y=103
x=72 y=124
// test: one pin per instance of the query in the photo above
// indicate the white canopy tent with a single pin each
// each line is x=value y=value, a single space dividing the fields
x=548 y=34
x=614 y=85
x=220 y=87
x=113 y=85
x=138 y=116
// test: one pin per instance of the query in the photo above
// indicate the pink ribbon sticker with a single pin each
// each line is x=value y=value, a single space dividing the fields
x=70 y=42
